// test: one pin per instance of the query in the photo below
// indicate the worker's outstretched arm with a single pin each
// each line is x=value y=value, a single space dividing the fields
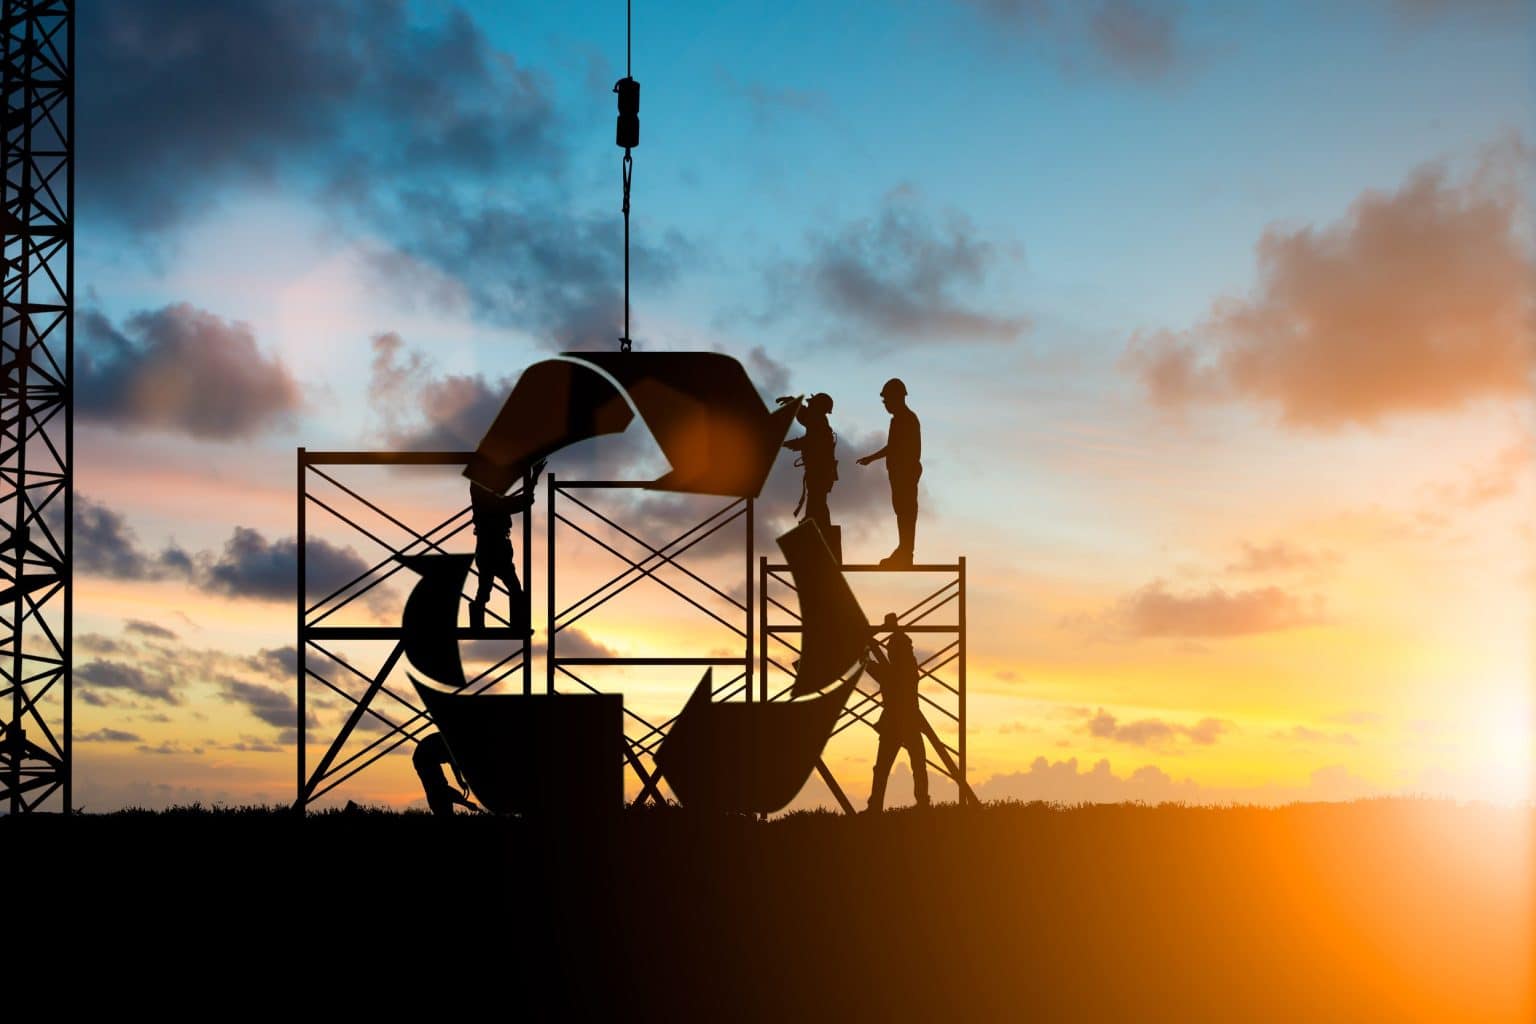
x=866 y=460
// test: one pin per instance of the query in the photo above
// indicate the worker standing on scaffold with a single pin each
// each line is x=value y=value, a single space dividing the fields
x=903 y=453
x=818 y=456
x=492 y=515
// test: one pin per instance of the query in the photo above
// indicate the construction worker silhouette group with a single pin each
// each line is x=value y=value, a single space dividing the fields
x=903 y=453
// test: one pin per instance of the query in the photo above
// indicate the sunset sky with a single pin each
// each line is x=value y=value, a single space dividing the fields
x=1218 y=318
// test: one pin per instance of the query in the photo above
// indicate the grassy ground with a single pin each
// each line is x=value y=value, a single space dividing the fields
x=1377 y=910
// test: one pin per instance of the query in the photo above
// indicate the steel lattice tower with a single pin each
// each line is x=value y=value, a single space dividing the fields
x=37 y=405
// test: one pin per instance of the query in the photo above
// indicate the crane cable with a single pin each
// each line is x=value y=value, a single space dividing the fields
x=627 y=135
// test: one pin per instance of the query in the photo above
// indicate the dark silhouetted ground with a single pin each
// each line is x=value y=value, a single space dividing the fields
x=1378 y=910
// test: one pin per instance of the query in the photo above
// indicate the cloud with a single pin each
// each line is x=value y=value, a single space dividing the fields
x=189 y=99
x=248 y=566
x=1499 y=478
x=1136 y=39
x=253 y=566
x=1063 y=782
x=149 y=629
x=108 y=736
x=250 y=745
x=182 y=370
x=768 y=102
x=280 y=662
x=539 y=267
x=1153 y=611
x=366 y=107
x=1280 y=556
x=119 y=675
x=897 y=277
x=277 y=708
x=97 y=643
x=170 y=748
x=1417 y=301
x=1152 y=732
x=104 y=545
x=425 y=412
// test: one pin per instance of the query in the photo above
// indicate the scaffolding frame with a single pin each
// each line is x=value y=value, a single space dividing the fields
x=640 y=747
x=37 y=78
x=764 y=619
x=314 y=635
x=948 y=759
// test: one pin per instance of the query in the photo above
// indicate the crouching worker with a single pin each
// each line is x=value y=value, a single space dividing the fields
x=901 y=722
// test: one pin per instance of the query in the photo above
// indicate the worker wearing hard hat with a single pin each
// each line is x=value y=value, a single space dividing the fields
x=818 y=456
x=492 y=514
x=902 y=453
x=901 y=720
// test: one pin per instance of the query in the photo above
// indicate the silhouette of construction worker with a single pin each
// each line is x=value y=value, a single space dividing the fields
x=903 y=454
x=818 y=455
x=492 y=515
x=901 y=722
x=428 y=759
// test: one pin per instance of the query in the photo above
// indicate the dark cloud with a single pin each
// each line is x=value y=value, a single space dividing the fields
x=1417 y=301
x=104 y=545
x=250 y=745
x=183 y=370
x=279 y=662
x=277 y=708
x=97 y=643
x=190 y=98
x=119 y=675
x=541 y=268
x=149 y=629
x=253 y=566
x=1153 y=732
x=249 y=565
x=367 y=107
x=170 y=748
x=1215 y=612
x=108 y=736
x=897 y=277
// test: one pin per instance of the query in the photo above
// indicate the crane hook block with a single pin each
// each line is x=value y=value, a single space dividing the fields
x=628 y=134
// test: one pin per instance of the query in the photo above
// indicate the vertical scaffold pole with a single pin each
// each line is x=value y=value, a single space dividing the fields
x=549 y=581
x=528 y=490
x=747 y=661
x=299 y=603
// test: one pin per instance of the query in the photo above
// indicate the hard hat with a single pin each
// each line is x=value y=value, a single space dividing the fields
x=894 y=386
x=821 y=402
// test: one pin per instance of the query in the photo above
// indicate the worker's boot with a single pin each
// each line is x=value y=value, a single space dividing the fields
x=477 y=615
x=876 y=796
x=906 y=537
